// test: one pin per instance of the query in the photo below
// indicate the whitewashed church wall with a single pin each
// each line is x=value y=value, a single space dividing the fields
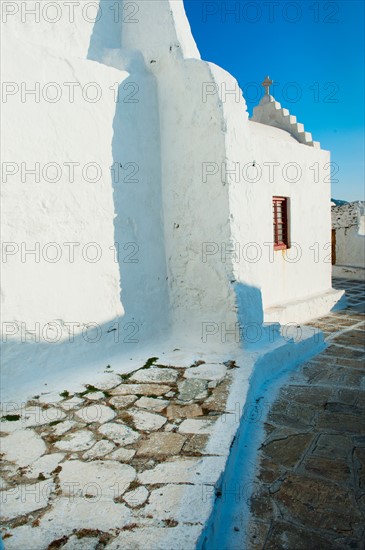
x=304 y=269
x=195 y=202
x=64 y=210
x=182 y=194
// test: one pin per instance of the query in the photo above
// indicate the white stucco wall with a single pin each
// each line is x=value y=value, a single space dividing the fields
x=56 y=207
x=304 y=269
x=163 y=213
x=175 y=131
x=261 y=162
x=196 y=209
x=348 y=220
x=204 y=136
x=124 y=206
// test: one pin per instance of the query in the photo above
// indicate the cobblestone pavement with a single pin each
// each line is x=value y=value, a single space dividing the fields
x=134 y=462
x=310 y=483
x=122 y=465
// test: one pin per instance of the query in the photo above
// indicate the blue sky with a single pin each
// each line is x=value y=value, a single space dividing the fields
x=315 y=53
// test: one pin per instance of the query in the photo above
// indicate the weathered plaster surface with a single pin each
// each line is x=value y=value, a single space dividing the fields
x=172 y=210
x=71 y=210
x=348 y=221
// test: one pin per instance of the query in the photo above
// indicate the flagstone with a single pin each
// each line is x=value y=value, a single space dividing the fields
x=183 y=411
x=169 y=427
x=29 y=538
x=319 y=504
x=208 y=371
x=122 y=401
x=97 y=480
x=184 y=470
x=95 y=413
x=124 y=455
x=218 y=398
x=119 y=433
x=72 y=403
x=140 y=389
x=23 y=447
x=161 y=444
x=84 y=513
x=44 y=465
x=196 y=444
x=76 y=441
x=84 y=543
x=63 y=427
x=111 y=381
x=147 y=421
x=318 y=396
x=182 y=503
x=10 y=469
x=155 y=374
x=196 y=426
x=350 y=423
x=25 y=498
x=182 y=537
x=149 y=403
x=100 y=449
x=287 y=450
x=3 y=483
x=95 y=396
x=334 y=470
x=192 y=389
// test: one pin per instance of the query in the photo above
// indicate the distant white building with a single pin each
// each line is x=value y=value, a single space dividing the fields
x=118 y=132
x=348 y=234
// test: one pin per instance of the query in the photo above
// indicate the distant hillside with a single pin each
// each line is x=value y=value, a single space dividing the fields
x=338 y=202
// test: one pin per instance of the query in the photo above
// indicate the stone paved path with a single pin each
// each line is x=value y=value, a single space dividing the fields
x=134 y=463
x=124 y=465
x=310 y=484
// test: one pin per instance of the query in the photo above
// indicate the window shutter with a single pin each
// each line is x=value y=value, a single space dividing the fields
x=280 y=221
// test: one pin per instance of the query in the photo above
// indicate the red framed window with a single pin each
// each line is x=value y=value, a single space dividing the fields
x=281 y=226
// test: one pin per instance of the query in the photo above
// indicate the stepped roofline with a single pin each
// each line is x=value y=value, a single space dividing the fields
x=270 y=112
